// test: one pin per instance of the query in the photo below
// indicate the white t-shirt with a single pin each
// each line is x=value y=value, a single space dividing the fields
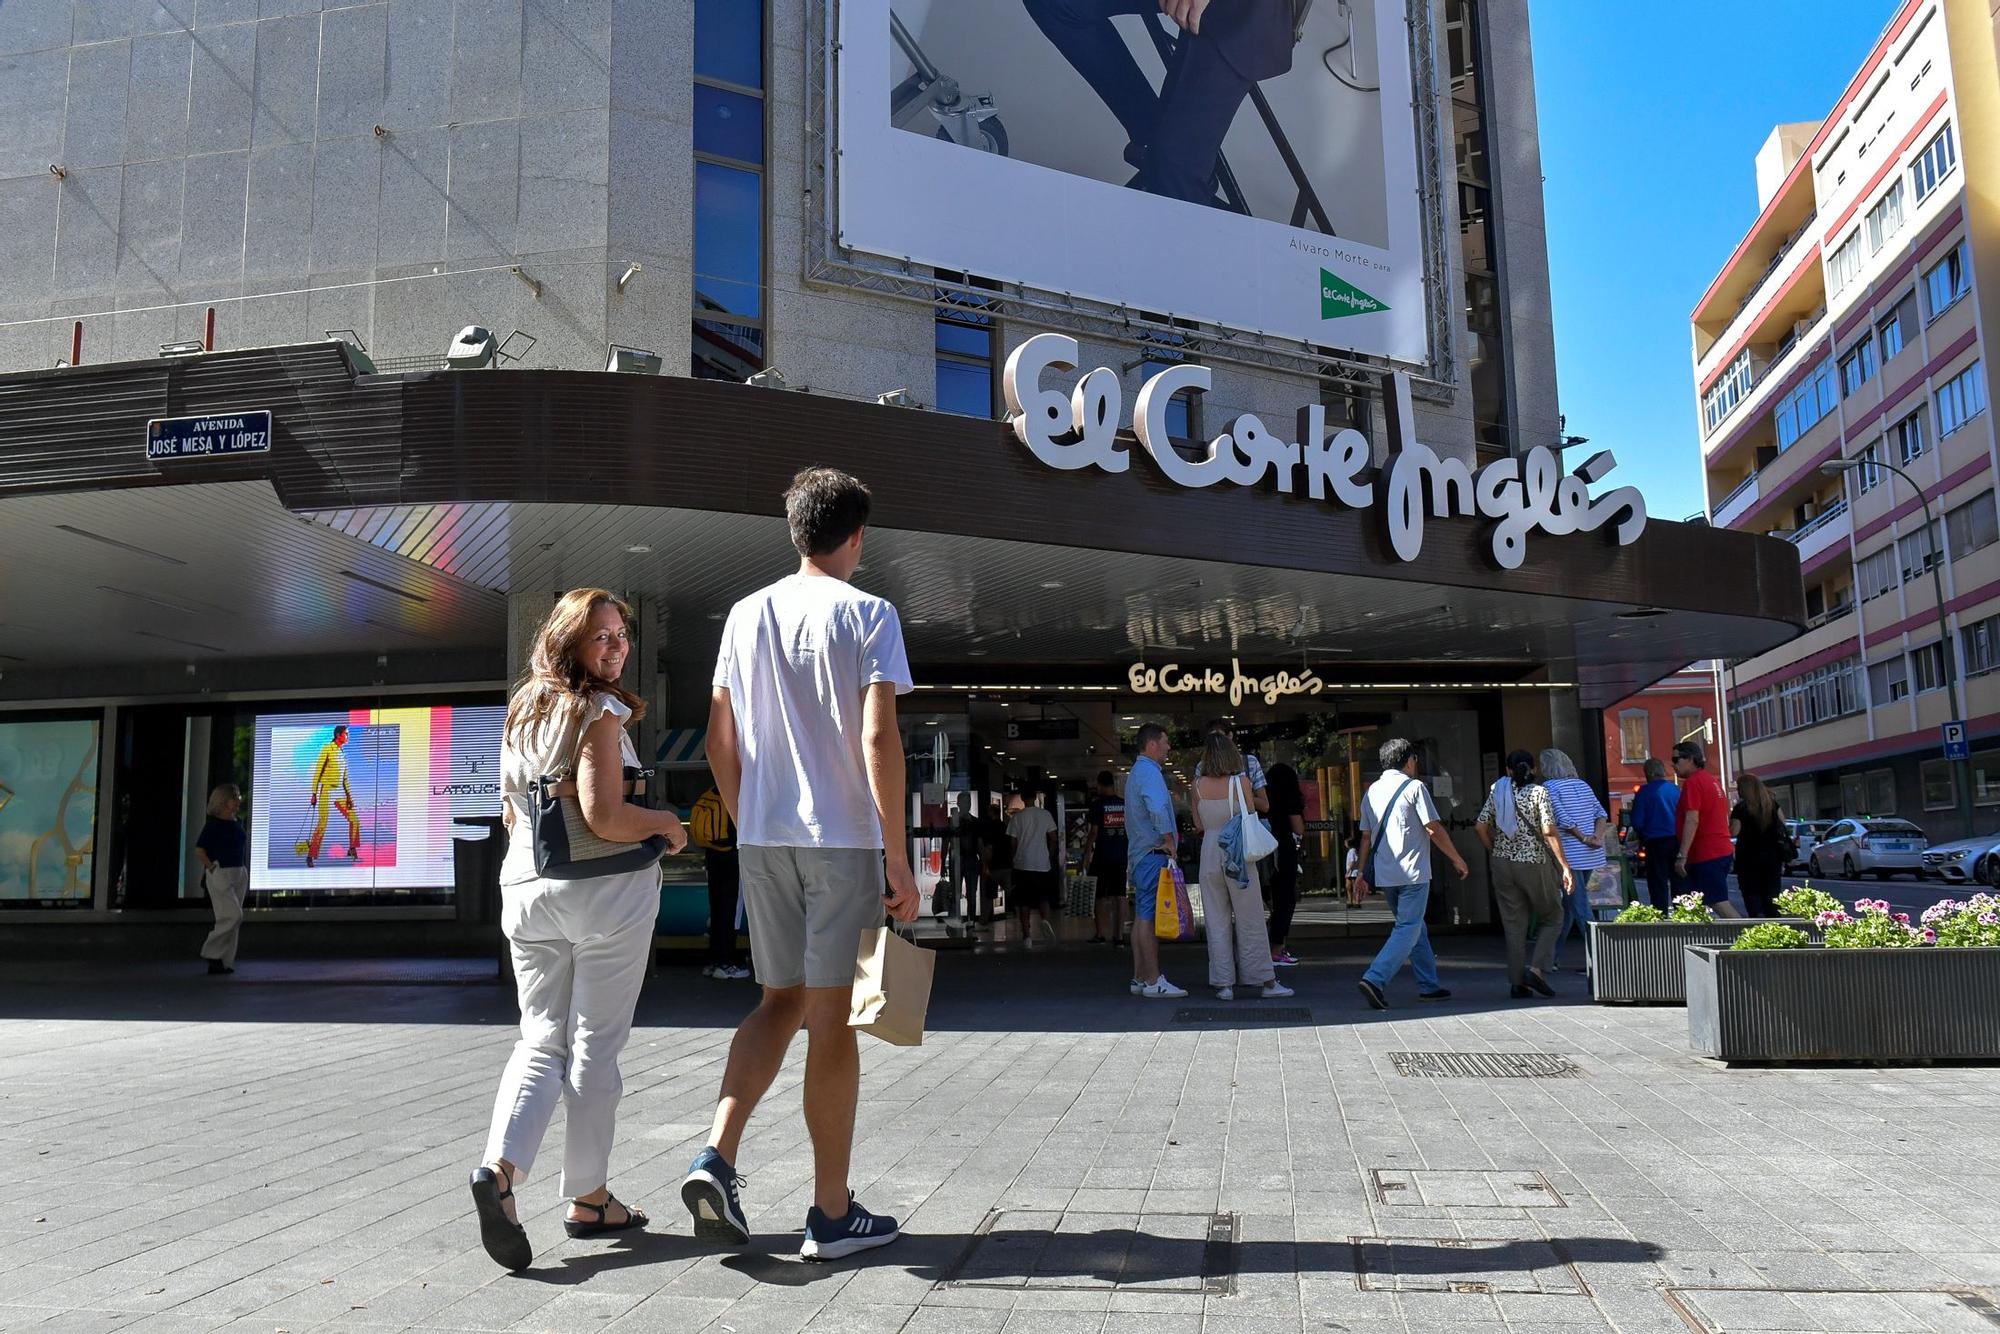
x=1030 y=828
x=1405 y=858
x=795 y=660
x=545 y=751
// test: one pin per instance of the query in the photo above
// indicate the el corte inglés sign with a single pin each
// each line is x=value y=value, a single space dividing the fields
x=1172 y=679
x=1078 y=428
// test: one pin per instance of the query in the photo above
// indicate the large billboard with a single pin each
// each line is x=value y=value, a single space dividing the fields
x=1256 y=169
x=365 y=799
x=48 y=811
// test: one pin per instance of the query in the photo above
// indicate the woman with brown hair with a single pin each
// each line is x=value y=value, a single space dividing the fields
x=1758 y=827
x=579 y=945
x=1239 y=945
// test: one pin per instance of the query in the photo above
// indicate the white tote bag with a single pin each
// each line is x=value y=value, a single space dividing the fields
x=1258 y=840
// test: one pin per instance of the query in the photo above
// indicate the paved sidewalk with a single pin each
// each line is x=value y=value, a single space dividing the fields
x=286 y=1150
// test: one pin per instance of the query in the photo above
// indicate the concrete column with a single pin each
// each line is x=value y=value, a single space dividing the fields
x=526 y=611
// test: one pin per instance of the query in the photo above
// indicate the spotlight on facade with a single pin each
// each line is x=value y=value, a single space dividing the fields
x=187 y=347
x=472 y=350
x=897 y=398
x=768 y=379
x=633 y=360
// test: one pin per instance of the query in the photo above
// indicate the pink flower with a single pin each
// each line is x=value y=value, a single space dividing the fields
x=1903 y=918
x=1930 y=936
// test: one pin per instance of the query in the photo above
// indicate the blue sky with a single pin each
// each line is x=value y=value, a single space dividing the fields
x=1650 y=130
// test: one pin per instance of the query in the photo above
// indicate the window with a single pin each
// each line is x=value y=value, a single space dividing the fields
x=1971 y=526
x=1940 y=792
x=1960 y=399
x=1876 y=574
x=1936 y=162
x=1886 y=218
x=1927 y=667
x=1687 y=722
x=1986 y=778
x=1979 y=646
x=1756 y=715
x=1947 y=280
x=1880 y=785
x=1801 y=410
x=1858 y=366
x=1844 y=264
x=1634 y=739
x=1832 y=691
x=729 y=317
x=1869 y=475
x=1728 y=390
x=964 y=359
x=1889 y=681
x=1919 y=551
x=1163 y=350
x=1906 y=438
x=1894 y=325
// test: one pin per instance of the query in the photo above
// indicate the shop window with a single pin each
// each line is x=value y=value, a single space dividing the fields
x=1881 y=790
x=729 y=190
x=1985 y=766
x=48 y=812
x=1940 y=792
x=1947 y=280
x=1971 y=526
x=1961 y=398
x=1634 y=736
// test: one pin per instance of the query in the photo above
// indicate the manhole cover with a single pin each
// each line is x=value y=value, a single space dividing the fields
x=1243 y=1014
x=1468 y=1188
x=1043 y=1250
x=1737 y=1310
x=1483 y=1064
x=1447 y=1264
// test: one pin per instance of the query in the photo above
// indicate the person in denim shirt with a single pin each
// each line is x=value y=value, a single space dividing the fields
x=1151 y=837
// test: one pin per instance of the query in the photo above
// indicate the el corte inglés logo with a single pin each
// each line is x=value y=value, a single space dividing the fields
x=1338 y=297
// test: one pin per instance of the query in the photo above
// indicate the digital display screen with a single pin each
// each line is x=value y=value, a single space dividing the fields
x=365 y=799
x=48 y=810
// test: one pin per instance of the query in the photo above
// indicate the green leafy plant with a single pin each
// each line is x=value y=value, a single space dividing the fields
x=1640 y=914
x=1769 y=936
x=1974 y=923
x=1807 y=902
x=1690 y=910
x=1871 y=926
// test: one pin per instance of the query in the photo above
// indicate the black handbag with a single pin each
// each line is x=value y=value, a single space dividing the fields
x=566 y=848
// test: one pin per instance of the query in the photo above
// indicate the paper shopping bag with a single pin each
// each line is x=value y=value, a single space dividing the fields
x=1173 y=915
x=892 y=988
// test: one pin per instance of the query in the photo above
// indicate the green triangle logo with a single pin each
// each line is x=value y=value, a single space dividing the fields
x=1338 y=297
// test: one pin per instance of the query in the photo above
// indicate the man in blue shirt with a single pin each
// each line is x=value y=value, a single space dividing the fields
x=1653 y=814
x=1150 y=839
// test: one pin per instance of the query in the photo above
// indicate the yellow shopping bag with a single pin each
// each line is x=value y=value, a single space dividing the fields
x=1173 y=915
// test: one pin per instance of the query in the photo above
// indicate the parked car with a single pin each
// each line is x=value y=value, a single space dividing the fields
x=1870 y=846
x=1966 y=860
x=1807 y=834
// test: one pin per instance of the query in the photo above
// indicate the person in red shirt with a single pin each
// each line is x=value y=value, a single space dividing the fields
x=1705 y=850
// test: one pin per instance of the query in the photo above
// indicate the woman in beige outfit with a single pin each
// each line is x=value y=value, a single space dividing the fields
x=1239 y=945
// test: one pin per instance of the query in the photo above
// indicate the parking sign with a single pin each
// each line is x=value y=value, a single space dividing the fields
x=1956 y=747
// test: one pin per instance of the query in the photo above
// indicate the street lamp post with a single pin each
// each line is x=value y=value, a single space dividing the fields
x=1954 y=688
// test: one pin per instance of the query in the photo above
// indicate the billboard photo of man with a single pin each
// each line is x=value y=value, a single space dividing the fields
x=330 y=791
x=339 y=778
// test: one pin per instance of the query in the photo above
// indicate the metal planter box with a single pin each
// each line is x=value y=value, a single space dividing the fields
x=1916 y=1004
x=1641 y=962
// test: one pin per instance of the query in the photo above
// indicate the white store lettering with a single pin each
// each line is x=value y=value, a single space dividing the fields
x=1171 y=679
x=1521 y=495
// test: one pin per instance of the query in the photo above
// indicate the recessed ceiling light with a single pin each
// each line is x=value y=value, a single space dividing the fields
x=715 y=616
x=638 y=549
x=122 y=546
x=975 y=653
x=1052 y=583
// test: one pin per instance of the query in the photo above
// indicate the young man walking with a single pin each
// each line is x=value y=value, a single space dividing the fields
x=1704 y=850
x=1150 y=839
x=803 y=743
x=1399 y=826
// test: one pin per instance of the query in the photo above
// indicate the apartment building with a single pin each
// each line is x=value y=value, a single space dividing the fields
x=1840 y=364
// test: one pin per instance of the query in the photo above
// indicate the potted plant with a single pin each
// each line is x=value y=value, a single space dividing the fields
x=1636 y=957
x=1880 y=988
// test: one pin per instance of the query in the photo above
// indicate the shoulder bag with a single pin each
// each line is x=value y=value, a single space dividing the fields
x=1258 y=840
x=566 y=848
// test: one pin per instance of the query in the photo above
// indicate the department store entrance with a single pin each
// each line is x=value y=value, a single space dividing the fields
x=973 y=752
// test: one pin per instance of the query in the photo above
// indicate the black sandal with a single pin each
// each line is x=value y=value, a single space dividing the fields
x=505 y=1240
x=577 y=1227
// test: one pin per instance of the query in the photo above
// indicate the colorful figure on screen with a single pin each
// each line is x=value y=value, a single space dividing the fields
x=330 y=778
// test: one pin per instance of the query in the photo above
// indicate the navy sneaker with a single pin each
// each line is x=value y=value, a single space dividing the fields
x=709 y=1192
x=832 y=1238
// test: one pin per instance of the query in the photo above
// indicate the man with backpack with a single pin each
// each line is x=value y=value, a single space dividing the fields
x=711 y=830
x=1399 y=824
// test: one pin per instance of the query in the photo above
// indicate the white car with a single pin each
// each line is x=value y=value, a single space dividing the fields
x=1869 y=846
x=1806 y=834
x=1966 y=860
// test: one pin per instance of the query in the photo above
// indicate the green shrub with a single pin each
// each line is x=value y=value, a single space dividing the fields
x=1690 y=910
x=1769 y=936
x=1807 y=902
x=1640 y=914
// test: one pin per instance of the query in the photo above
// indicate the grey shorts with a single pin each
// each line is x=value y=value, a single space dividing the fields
x=807 y=909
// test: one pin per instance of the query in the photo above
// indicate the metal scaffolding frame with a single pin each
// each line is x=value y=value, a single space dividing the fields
x=829 y=264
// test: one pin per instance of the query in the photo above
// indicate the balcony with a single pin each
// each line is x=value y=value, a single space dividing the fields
x=1828 y=529
x=1784 y=253
x=1732 y=506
